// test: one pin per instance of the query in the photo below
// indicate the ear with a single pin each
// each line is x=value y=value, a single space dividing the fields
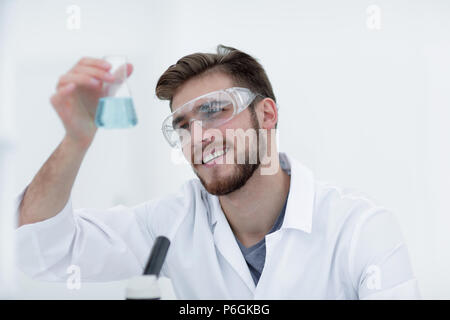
x=268 y=114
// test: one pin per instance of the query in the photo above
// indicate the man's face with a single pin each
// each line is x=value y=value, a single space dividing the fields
x=219 y=177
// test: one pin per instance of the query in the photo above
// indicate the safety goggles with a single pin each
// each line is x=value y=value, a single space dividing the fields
x=212 y=110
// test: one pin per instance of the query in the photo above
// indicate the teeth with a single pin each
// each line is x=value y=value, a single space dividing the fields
x=214 y=155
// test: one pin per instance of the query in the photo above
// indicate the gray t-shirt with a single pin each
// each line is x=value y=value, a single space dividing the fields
x=255 y=255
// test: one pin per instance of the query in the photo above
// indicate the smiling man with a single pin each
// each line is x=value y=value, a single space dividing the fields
x=255 y=225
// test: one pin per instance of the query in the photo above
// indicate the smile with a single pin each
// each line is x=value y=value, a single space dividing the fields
x=214 y=155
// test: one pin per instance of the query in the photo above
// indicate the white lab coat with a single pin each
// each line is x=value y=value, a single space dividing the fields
x=333 y=244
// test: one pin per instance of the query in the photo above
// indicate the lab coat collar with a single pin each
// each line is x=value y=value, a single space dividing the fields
x=300 y=203
x=298 y=215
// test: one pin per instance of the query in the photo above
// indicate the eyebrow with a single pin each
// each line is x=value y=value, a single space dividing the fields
x=219 y=102
x=179 y=119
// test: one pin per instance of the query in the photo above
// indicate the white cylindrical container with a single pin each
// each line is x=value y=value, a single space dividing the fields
x=144 y=287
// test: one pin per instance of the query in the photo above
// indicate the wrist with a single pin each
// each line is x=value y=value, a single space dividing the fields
x=80 y=145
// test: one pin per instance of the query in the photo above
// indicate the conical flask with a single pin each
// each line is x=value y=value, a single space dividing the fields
x=115 y=108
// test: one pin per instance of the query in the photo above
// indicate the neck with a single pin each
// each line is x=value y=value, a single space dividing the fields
x=252 y=210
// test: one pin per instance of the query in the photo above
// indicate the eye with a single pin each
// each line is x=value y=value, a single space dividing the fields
x=212 y=107
x=181 y=125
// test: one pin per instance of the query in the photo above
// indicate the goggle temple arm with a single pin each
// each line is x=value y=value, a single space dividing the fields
x=243 y=98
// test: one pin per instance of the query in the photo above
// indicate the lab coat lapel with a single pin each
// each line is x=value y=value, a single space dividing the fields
x=227 y=245
x=298 y=215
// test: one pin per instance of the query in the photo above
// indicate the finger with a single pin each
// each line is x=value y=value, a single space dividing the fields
x=130 y=69
x=94 y=62
x=68 y=88
x=62 y=93
x=119 y=73
x=79 y=80
x=94 y=72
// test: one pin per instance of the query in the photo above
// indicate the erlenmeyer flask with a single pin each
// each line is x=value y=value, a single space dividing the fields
x=116 y=108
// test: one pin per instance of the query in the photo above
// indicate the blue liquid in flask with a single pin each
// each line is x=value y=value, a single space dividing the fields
x=115 y=112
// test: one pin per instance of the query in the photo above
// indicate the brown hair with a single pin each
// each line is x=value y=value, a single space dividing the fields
x=244 y=70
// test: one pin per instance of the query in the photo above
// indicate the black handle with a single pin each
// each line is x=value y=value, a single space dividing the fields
x=157 y=256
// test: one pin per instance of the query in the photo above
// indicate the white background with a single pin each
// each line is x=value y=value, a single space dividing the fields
x=363 y=108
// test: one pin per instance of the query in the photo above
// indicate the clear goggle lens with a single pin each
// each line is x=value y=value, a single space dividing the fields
x=212 y=110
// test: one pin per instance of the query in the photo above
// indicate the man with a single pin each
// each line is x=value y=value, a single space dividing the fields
x=255 y=225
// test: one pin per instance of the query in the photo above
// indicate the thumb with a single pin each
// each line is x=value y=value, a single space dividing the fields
x=130 y=69
x=119 y=74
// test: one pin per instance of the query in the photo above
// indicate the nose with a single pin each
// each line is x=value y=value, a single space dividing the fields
x=198 y=137
x=208 y=140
